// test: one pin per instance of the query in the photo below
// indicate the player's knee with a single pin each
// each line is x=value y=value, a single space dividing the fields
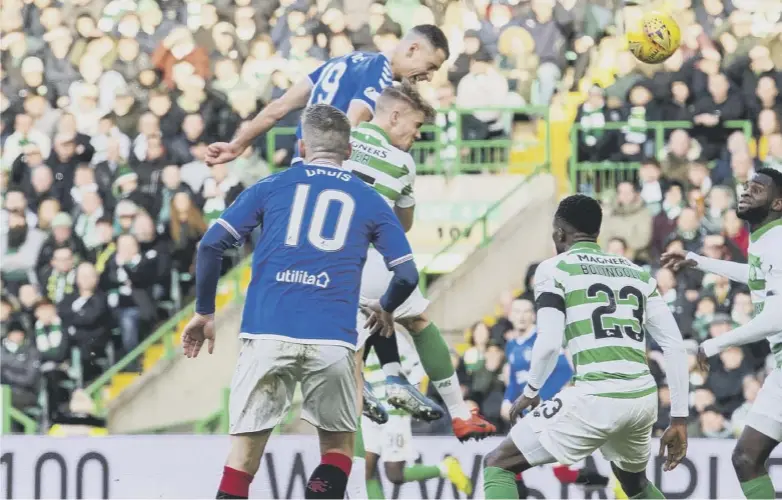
x=395 y=474
x=493 y=459
x=744 y=463
x=416 y=324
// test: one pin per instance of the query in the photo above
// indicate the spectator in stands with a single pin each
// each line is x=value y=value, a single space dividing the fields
x=712 y=110
x=483 y=87
x=617 y=246
x=652 y=185
x=550 y=24
x=23 y=134
x=628 y=219
x=720 y=200
x=713 y=424
x=61 y=235
x=61 y=278
x=751 y=387
x=129 y=277
x=486 y=388
x=742 y=166
x=680 y=106
x=636 y=141
x=594 y=142
x=689 y=230
x=87 y=319
x=54 y=348
x=219 y=190
x=20 y=367
x=677 y=155
x=186 y=227
x=19 y=247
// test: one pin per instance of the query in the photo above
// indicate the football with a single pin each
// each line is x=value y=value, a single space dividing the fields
x=655 y=38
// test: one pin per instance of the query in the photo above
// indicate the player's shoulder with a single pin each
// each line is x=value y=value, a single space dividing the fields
x=768 y=236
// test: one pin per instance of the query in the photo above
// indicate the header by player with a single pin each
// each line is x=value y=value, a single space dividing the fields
x=350 y=83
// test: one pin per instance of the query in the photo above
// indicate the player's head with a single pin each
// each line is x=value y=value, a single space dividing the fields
x=420 y=53
x=762 y=196
x=401 y=111
x=578 y=218
x=325 y=134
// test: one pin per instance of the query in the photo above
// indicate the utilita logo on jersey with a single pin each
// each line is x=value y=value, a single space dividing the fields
x=304 y=278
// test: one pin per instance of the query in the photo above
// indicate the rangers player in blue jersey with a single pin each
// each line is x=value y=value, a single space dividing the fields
x=352 y=83
x=299 y=320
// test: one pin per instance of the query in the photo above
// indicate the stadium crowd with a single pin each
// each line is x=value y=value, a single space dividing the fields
x=680 y=197
x=107 y=108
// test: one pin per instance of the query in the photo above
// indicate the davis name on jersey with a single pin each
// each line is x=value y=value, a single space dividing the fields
x=358 y=76
x=317 y=224
x=388 y=169
x=605 y=297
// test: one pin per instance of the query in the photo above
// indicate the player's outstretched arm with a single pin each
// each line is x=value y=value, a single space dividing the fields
x=767 y=322
x=734 y=271
x=294 y=98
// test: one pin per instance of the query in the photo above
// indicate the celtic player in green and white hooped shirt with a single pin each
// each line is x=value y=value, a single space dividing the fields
x=600 y=306
x=761 y=206
x=380 y=157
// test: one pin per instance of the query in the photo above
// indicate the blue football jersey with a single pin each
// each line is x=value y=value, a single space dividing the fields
x=318 y=222
x=518 y=352
x=360 y=76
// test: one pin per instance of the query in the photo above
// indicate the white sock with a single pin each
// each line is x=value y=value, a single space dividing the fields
x=392 y=369
x=451 y=392
x=357 y=481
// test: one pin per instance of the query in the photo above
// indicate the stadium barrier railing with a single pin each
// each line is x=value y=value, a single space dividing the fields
x=599 y=177
x=444 y=150
x=232 y=282
x=13 y=415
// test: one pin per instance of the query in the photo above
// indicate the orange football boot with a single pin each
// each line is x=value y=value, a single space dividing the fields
x=476 y=427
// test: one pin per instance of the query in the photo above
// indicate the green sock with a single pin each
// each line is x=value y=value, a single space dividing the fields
x=420 y=472
x=499 y=484
x=434 y=354
x=375 y=489
x=358 y=444
x=760 y=487
x=650 y=491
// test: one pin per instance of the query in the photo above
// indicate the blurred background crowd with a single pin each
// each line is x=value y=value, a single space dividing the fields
x=107 y=108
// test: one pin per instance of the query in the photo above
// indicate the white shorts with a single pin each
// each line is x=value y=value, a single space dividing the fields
x=265 y=379
x=392 y=441
x=573 y=424
x=765 y=416
x=374 y=282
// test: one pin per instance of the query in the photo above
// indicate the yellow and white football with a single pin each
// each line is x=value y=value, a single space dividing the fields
x=654 y=38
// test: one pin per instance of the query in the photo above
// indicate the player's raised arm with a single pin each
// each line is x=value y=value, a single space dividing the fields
x=550 y=304
x=294 y=98
x=734 y=271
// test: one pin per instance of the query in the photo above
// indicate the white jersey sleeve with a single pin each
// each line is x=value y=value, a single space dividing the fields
x=550 y=304
x=662 y=326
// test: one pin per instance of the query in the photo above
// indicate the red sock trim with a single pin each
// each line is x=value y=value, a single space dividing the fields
x=338 y=460
x=518 y=477
x=235 y=482
x=565 y=474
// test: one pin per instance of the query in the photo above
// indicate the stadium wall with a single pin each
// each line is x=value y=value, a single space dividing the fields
x=472 y=289
x=176 y=466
